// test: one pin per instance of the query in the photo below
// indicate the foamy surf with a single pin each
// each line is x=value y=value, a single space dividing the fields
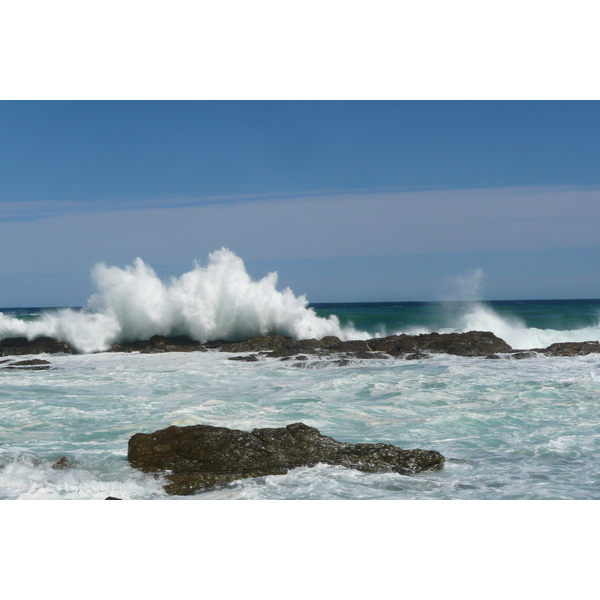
x=479 y=317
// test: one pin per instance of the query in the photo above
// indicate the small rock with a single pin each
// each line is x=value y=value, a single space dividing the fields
x=417 y=356
x=251 y=358
x=522 y=355
x=61 y=464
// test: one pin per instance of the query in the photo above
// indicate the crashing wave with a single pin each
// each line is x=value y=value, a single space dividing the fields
x=217 y=302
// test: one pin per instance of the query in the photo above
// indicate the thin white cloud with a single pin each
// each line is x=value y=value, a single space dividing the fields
x=308 y=227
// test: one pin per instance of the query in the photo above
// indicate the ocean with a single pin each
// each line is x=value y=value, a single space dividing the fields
x=509 y=429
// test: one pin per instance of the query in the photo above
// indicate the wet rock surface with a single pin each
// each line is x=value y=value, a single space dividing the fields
x=571 y=349
x=202 y=456
x=159 y=343
x=34 y=364
x=41 y=345
x=472 y=343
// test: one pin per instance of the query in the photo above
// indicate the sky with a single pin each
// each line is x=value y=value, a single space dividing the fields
x=347 y=200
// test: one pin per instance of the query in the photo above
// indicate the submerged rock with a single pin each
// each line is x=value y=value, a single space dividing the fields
x=61 y=464
x=34 y=364
x=522 y=355
x=202 y=456
x=249 y=358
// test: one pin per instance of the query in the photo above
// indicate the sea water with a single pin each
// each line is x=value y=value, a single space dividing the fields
x=509 y=429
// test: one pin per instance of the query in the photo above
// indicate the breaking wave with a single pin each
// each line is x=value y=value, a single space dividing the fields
x=514 y=331
x=220 y=301
x=217 y=302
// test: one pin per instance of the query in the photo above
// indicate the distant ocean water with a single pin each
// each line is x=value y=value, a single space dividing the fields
x=510 y=429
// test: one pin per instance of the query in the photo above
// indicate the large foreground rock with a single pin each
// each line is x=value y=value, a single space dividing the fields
x=202 y=456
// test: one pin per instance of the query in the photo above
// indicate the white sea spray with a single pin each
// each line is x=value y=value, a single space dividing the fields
x=217 y=302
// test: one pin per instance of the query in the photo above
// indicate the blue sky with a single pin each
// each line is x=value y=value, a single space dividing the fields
x=347 y=200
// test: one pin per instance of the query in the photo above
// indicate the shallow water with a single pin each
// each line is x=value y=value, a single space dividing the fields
x=510 y=429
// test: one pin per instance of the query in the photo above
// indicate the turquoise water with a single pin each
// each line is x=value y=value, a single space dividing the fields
x=390 y=317
x=510 y=429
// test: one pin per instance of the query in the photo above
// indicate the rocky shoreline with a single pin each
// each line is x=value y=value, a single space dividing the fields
x=408 y=347
x=199 y=457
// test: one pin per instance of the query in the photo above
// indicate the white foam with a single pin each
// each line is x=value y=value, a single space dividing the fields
x=219 y=301
x=480 y=317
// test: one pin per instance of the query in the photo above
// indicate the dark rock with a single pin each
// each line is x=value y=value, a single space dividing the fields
x=112 y=498
x=342 y=362
x=159 y=343
x=213 y=345
x=278 y=345
x=349 y=346
x=201 y=456
x=61 y=464
x=330 y=341
x=522 y=355
x=571 y=349
x=367 y=355
x=41 y=345
x=30 y=363
x=473 y=343
x=492 y=356
x=417 y=356
x=27 y=368
x=249 y=358
x=35 y=364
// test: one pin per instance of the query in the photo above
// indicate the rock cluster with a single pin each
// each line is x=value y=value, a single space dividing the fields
x=201 y=456
x=473 y=343
x=41 y=345
x=409 y=347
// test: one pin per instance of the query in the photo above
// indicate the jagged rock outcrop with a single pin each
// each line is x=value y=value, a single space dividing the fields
x=472 y=343
x=41 y=345
x=571 y=349
x=201 y=456
x=160 y=343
